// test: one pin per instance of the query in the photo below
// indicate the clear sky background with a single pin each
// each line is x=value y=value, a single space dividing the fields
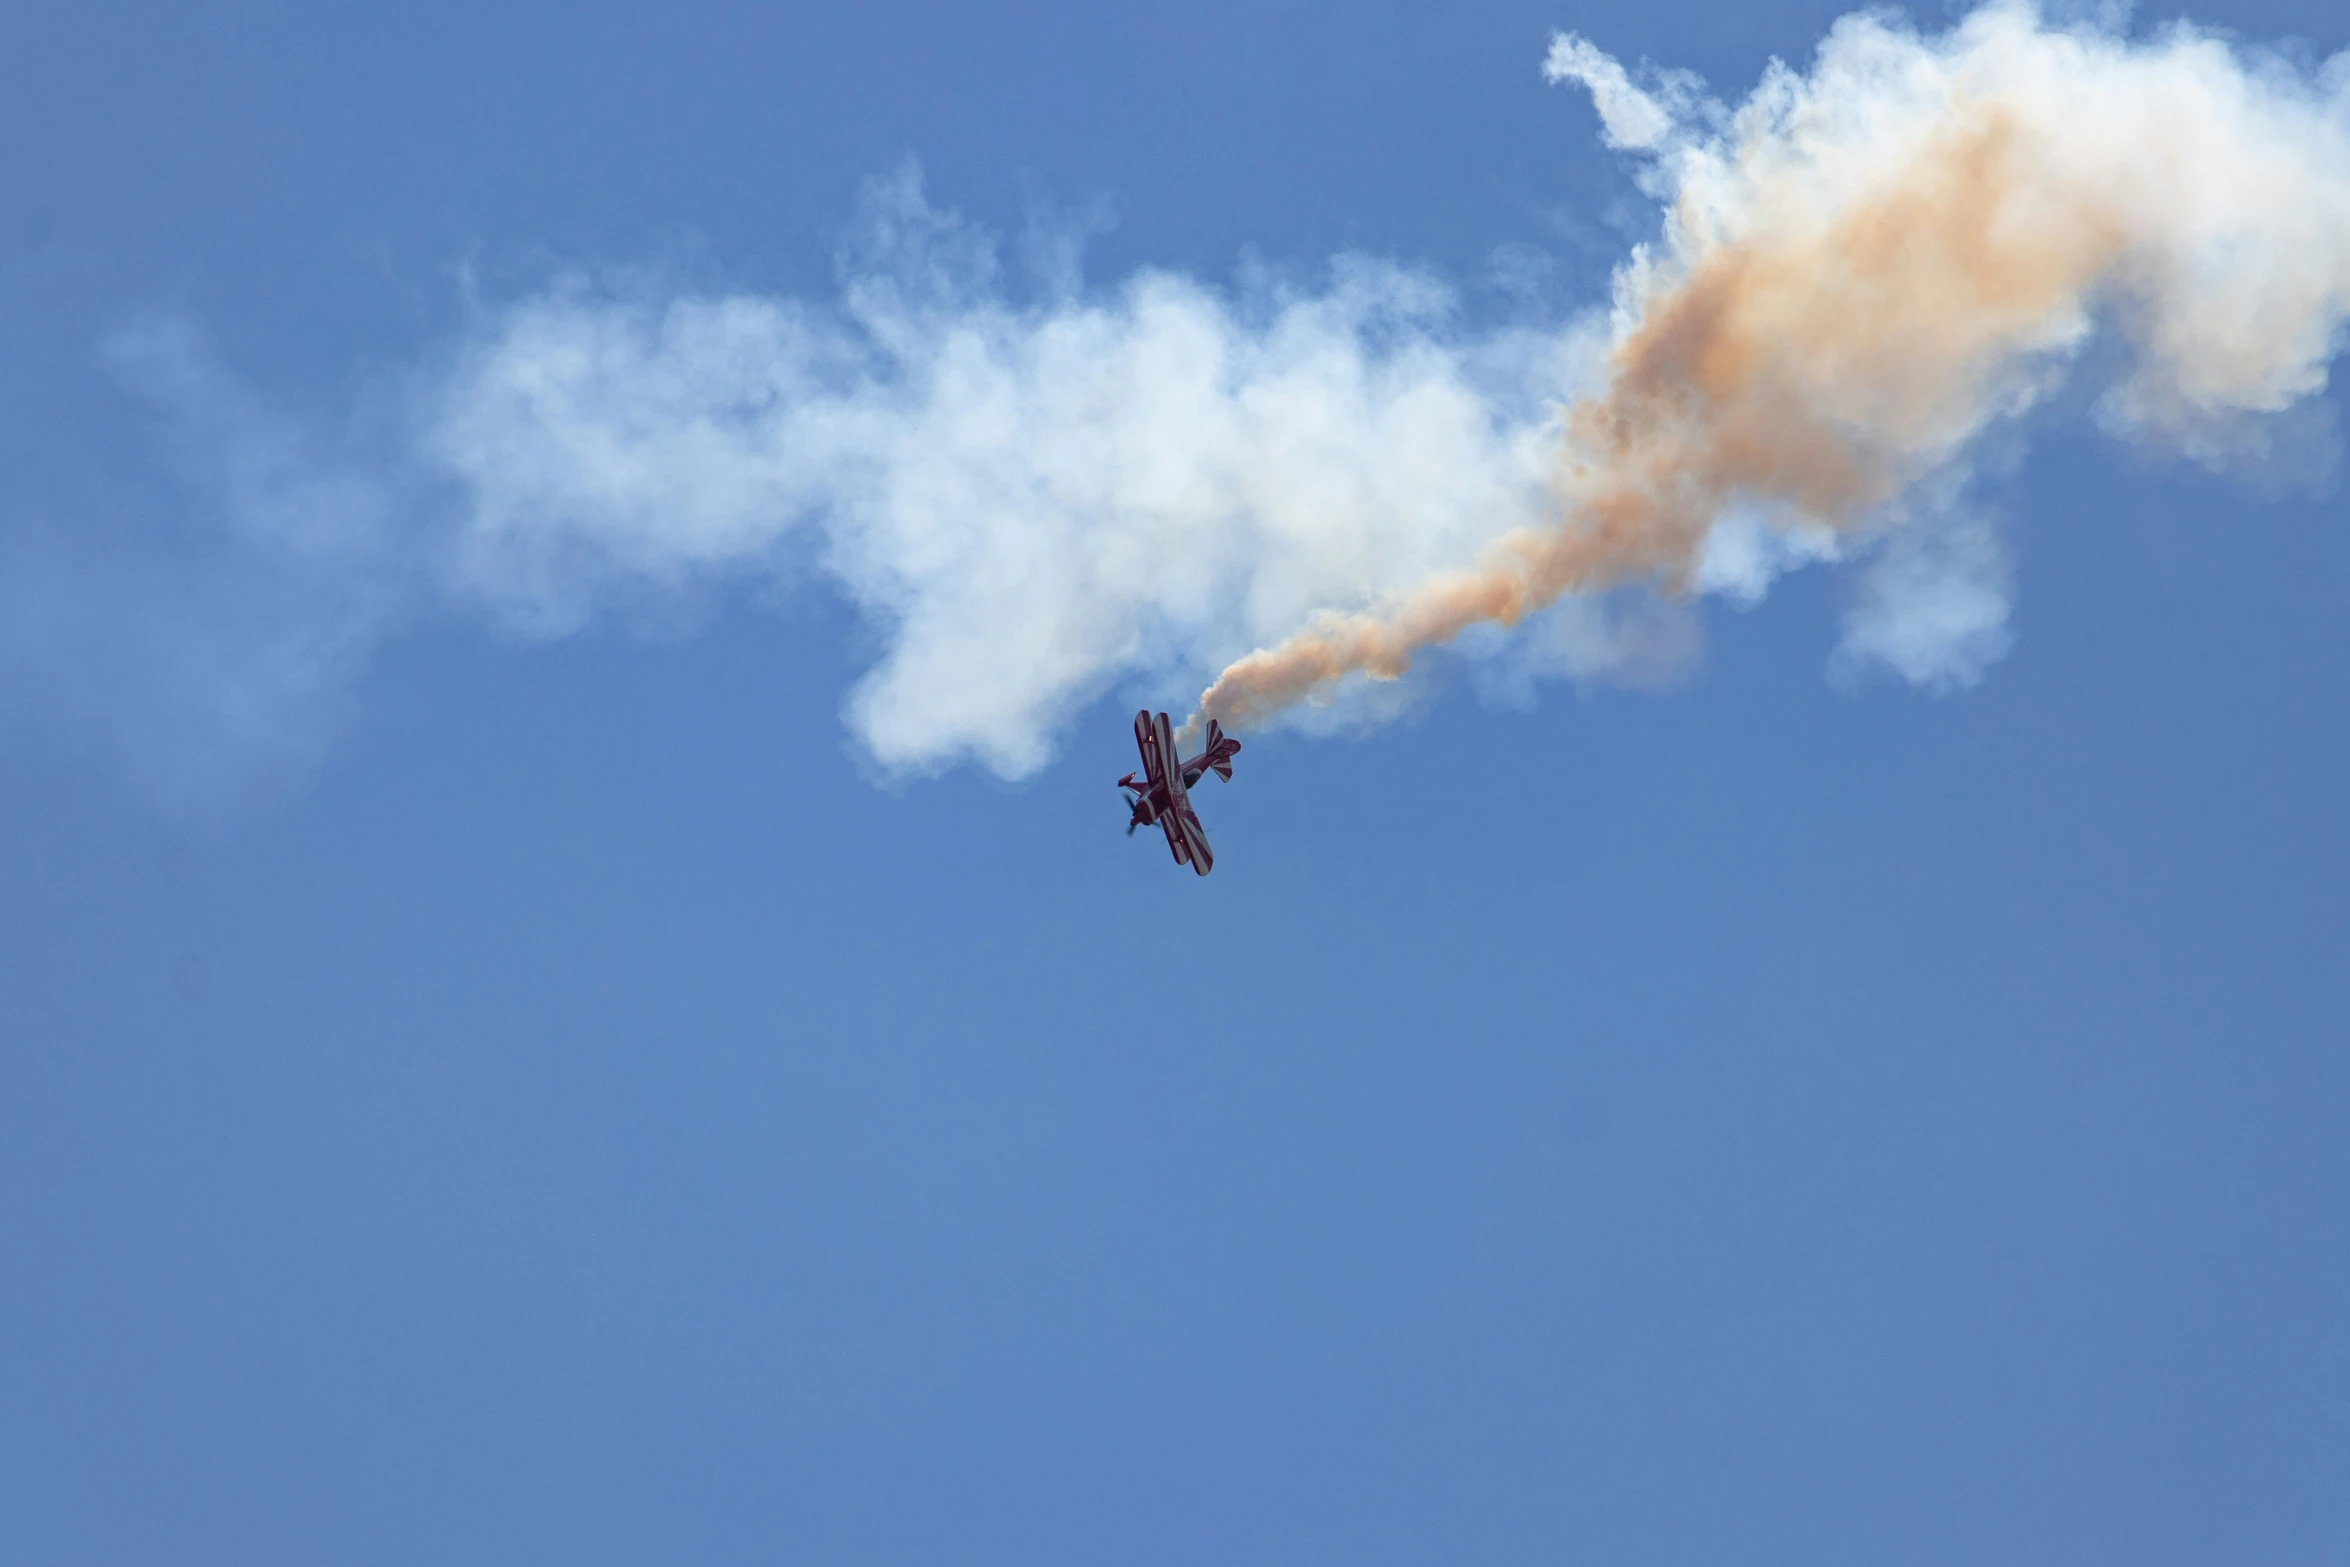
x=544 y=1102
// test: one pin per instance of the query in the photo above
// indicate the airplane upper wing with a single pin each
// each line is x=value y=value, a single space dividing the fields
x=1187 y=840
x=1146 y=740
x=1171 y=823
x=1171 y=768
x=1185 y=836
x=1195 y=839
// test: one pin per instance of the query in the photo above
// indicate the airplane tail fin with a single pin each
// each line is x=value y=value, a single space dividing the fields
x=1220 y=751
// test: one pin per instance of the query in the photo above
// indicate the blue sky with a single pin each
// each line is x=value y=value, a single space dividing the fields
x=478 y=1086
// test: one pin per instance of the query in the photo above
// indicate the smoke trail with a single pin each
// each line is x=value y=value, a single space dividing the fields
x=1039 y=498
x=1865 y=266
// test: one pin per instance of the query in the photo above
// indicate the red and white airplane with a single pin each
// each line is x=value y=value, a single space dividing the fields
x=1162 y=794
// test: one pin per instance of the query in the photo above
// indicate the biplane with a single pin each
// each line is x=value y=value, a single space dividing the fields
x=1161 y=793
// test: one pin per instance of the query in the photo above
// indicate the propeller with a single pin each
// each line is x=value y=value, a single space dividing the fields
x=1132 y=821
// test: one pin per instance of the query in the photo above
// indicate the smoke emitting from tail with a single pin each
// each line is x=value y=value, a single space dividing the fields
x=1044 y=500
x=1864 y=267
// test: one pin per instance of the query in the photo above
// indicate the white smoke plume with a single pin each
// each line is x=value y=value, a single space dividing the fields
x=1034 y=501
x=1039 y=501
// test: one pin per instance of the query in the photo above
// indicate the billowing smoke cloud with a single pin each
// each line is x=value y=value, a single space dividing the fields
x=1033 y=500
x=1863 y=268
x=1042 y=497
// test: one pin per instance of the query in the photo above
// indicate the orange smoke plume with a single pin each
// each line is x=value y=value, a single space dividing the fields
x=1867 y=267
